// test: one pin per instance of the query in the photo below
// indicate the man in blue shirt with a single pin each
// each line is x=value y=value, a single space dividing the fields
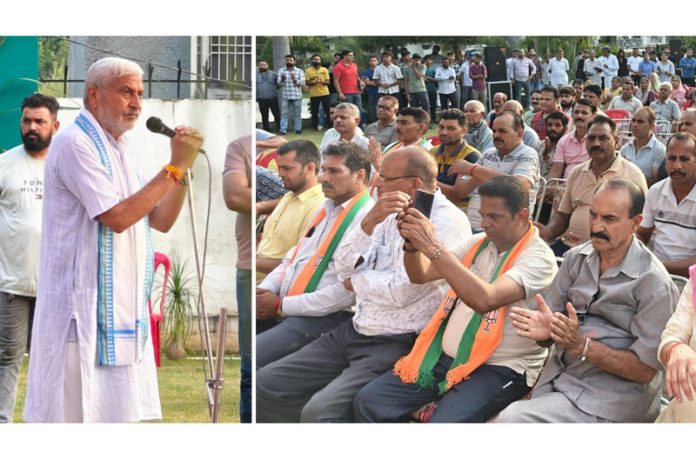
x=688 y=65
x=372 y=90
x=267 y=94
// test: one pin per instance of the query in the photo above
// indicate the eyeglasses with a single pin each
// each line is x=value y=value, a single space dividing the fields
x=391 y=179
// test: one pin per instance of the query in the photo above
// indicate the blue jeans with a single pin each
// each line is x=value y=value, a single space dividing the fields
x=15 y=321
x=356 y=100
x=420 y=99
x=285 y=106
x=372 y=107
x=244 y=334
x=520 y=88
x=535 y=84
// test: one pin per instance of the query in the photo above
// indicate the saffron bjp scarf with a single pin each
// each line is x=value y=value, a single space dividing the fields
x=312 y=272
x=123 y=283
x=481 y=337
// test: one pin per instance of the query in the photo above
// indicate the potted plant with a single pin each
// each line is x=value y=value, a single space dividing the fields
x=182 y=292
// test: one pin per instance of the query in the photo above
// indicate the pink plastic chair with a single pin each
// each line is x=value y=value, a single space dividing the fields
x=157 y=318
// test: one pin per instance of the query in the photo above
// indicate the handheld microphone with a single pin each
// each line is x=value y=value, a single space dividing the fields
x=156 y=125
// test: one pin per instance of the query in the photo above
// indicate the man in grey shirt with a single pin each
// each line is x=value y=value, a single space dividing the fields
x=384 y=129
x=414 y=83
x=618 y=298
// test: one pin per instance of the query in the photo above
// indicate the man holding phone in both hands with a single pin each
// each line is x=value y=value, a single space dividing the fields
x=318 y=382
x=468 y=357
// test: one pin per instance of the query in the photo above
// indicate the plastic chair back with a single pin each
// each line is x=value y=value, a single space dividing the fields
x=156 y=318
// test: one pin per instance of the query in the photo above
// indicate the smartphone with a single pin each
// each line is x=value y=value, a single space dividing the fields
x=423 y=202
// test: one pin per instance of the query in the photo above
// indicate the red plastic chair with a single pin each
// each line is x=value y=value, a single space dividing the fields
x=157 y=318
x=618 y=114
x=434 y=140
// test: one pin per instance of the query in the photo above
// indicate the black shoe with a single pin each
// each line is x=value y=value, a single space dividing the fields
x=282 y=133
x=298 y=132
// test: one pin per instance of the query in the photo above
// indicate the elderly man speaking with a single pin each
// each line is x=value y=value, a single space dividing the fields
x=91 y=356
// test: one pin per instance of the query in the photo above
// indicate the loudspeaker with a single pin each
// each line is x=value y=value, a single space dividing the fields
x=494 y=59
x=674 y=55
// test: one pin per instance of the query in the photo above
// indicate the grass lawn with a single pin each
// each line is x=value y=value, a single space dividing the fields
x=182 y=391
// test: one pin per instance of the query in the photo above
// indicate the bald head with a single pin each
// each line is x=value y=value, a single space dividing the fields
x=513 y=106
x=413 y=161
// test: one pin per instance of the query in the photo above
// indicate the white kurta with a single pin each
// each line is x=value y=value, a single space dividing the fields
x=78 y=188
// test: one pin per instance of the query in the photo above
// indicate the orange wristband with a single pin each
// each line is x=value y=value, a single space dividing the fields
x=174 y=173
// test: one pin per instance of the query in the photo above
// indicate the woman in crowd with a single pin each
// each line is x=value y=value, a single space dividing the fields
x=678 y=92
x=644 y=93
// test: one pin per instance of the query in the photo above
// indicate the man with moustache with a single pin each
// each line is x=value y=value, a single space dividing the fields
x=605 y=312
x=267 y=94
x=644 y=149
x=21 y=202
x=346 y=118
x=317 y=78
x=508 y=157
x=411 y=125
x=626 y=101
x=318 y=382
x=571 y=149
x=605 y=163
x=384 y=129
x=499 y=98
x=303 y=290
x=556 y=127
x=92 y=358
x=453 y=147
x=533 y=107
x=566 y=99
x=548 y=104
x=290 y=79
x=669 y=215
x=593 y=93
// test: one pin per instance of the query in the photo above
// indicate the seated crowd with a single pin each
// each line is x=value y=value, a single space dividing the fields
x=536 y=284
